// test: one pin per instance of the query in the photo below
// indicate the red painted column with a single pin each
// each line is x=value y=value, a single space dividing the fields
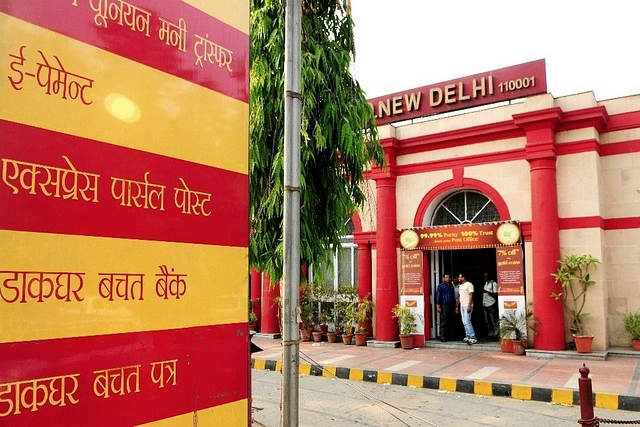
x=386 y=328
x=545 y=240
x=256 y=295
x=270 y=324
x=364 y=270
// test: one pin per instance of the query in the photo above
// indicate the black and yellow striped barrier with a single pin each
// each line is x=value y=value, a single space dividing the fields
x=486 y=388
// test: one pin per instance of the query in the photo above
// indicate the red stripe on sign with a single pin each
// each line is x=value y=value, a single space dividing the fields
x=170 y=36
x=123 y=379
x=58 y=183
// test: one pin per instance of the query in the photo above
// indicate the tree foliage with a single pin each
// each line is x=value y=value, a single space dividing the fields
x=338 y=142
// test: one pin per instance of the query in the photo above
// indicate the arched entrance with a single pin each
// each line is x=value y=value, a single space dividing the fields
x=458 y=208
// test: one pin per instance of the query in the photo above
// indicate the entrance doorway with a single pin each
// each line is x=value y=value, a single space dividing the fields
x=463 y=208
x=473 y=263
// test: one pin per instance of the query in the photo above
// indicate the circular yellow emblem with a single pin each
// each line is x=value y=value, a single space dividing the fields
x=409 y=239
x=508 y=234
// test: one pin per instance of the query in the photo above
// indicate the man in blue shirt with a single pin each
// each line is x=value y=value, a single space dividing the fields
x=446 y=305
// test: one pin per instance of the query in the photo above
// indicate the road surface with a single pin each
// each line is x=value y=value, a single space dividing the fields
x=327 y=402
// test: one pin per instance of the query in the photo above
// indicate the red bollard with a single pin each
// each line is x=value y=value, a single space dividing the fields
x=587 y=418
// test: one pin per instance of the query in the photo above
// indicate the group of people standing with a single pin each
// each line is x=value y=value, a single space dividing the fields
x=453 y=298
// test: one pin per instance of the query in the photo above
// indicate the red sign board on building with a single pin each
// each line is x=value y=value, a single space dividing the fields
x=412 y=277
x=503 y=84
x=462 y=236
x=510 y=270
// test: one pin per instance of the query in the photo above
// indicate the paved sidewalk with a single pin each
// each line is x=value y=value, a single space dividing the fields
x=480 y=369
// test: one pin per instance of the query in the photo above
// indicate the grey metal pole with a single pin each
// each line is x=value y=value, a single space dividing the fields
x=291 y=273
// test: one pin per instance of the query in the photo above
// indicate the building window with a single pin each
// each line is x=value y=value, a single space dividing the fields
x=344 y=272
x=465 y=207
x=345 y=263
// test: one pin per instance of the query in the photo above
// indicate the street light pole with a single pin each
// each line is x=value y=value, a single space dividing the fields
x=291 y=271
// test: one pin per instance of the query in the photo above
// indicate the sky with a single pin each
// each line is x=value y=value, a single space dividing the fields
x=588 y=46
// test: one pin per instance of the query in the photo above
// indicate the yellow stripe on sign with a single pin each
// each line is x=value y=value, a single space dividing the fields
x=214 y=286
x=132 y=105
x=234 y=13
x=233 y=414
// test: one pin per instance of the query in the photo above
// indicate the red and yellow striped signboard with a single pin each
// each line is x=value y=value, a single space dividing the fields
x=124 y=213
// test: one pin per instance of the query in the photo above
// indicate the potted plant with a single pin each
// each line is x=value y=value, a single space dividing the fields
x=574 y=278
x=632 y=326
x=323 y=322
x=330 y=316
x=317 y=336
x=252 y=321
x=515 y=325
x=277 y=302
x=350 y=318
x=307 y=311
x=346 y=314
x=319 y=300
x=407 y=319
x=332 y=336
x=364 y=307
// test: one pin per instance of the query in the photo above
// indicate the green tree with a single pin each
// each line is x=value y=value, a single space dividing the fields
x=339 y=139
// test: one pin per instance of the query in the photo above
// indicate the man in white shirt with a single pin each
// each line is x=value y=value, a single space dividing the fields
x=466 y=308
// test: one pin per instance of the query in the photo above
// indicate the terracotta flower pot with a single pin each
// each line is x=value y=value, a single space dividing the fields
x=346 y=338
x=305 y=335
x=361 y=339
x=518 y=347
x=506 y=345
x=406 y=342
x=317 y=336
x=332 y=337
x=636 y=344
x=583 y=343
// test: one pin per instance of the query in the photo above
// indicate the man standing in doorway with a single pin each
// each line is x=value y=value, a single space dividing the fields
x=466 y=308
x=490 y=305
x=446 y=305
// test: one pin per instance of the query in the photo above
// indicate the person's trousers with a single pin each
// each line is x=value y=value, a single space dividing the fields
x=491 y=318
x=447 y=314
x=466 y=322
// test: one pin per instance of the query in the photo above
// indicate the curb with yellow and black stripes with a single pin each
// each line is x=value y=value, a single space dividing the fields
x=523 y=392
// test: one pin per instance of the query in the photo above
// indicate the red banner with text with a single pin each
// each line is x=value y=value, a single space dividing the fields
x=462 y=236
